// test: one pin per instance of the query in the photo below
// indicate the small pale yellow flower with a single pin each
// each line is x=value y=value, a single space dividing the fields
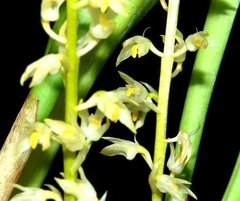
x=69 y=135
x=101 y=21
x=39 y=134
x=111 y=105
x=177 y=161
x=141 y=95
x=92 y=125
x=175 y=187
x=36 y=133
x=136 y=46
x=50 y=9
x=139 y=92
x=103 y=28
x=36 y=194
x=196 y=41
x=192 y=43
x=82 y=189
x=126 y=148
x=38 y=70
x=50 y=13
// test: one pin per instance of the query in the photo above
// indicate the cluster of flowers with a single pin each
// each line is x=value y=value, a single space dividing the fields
x=129 y=105
x=100 y=24
x=77 y=136
x=176 y=187
x=140 y=46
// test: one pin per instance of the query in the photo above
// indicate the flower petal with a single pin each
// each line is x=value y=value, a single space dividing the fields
x=126 y=148
x=36 y=194
x=38 y=70
x=50 y=9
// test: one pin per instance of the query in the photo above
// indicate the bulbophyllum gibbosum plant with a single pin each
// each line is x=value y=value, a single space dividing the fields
x=81 y=30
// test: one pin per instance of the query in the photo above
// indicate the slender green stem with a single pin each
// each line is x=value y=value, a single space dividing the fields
x=164 y=89
x=73 y=68
x=71 y=86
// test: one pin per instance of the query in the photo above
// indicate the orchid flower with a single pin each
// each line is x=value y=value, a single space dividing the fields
x=126 y=148
x=50 y=13
x=36 y=194
x=142 y=95
x=101 y=27
x=191 y=43
x=177 y=161
x=136 y=46
x=102 y=22
x=92 y=125
x=36 y=133
x=82 y=189
x=175 y=187
x=110 y=104
x=71 y=136
x=38 y=70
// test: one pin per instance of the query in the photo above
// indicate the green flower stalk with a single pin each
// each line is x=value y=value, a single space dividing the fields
x=71 y=87
x=163 y=93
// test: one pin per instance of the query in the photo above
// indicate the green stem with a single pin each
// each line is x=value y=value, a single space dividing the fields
x=232 y=192
x=164 y=90
x=71 y=86
x=205 y=71
x=71 y=79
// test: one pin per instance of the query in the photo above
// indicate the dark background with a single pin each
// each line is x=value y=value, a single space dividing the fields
x=24 y=41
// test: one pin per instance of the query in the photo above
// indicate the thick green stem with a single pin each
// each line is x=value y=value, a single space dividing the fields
x=71 y=86
x=232 y=192
x=205 y=71
x=164 y=90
